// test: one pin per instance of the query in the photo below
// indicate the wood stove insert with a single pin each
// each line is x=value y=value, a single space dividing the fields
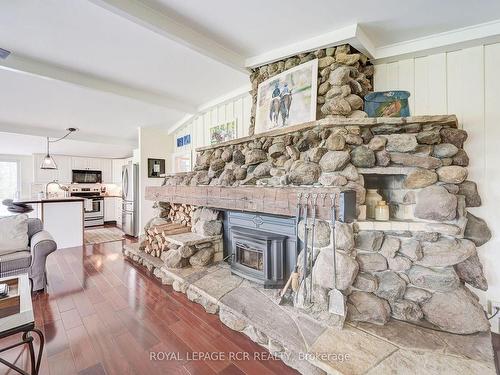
x=258 y=256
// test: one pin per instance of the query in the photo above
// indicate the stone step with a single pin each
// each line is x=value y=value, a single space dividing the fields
x=190 y=238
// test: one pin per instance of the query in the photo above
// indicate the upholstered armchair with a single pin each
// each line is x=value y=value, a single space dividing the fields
x=32 y=261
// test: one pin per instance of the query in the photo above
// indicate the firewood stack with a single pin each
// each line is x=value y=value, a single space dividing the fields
x=156 y=237
x=180 y=214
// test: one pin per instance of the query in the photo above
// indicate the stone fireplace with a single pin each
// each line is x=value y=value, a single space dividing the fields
x=402 y=268
x=418 y=269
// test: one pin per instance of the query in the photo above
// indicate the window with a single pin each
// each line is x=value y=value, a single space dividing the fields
x=182 y=162
x=9 y=182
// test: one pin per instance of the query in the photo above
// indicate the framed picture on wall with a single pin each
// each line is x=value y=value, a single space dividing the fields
x=223 y=132
x=184 y=140
x=288 y=98
x=156 y=168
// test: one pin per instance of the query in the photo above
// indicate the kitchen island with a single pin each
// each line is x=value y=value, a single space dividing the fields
x=61 y=217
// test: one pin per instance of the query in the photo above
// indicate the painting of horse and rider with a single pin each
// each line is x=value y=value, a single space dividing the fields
x=288 y=98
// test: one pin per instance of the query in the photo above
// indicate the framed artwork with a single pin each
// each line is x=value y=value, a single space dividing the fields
x=184 y=140
x=156 y=168
x=288 y=98
x=222 y=132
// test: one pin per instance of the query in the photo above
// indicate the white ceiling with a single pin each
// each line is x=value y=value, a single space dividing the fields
x=185 y=53
x=257 y=26
x=51 y=104
x=21 y=144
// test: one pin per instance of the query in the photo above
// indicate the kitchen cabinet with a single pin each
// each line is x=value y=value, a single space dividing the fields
x=109 y=209
x=79 y=163
x=94 y=164
x=65 y=166
x=106 y=166
x=118 y=211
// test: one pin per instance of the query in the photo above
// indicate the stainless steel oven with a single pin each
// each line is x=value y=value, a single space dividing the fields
x=93 y=206
x=94 y=212
x=84 y=176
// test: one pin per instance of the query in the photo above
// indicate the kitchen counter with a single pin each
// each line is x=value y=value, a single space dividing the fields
x=61 y=217
x=49 y=200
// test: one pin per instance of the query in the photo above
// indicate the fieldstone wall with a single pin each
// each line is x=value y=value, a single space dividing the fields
x=344 y=78
x=417 y=277
x=416 y=274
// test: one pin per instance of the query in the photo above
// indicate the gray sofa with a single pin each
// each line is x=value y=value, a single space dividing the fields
x=32 y=261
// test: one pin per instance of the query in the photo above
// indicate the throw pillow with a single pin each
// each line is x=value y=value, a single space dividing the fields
x=13 y=233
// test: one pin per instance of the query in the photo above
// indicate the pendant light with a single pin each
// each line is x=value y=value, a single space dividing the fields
x=48 y=161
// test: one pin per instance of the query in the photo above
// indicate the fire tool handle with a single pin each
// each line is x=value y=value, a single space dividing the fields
x=332 y=197
x=304 y=261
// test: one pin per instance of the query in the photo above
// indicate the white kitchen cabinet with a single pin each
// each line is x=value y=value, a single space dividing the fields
x=106 y=166
x=63 y=168
x=79 y=163
x=94 y=164
x=109 y=209
x=118 y=211
x=65 y=165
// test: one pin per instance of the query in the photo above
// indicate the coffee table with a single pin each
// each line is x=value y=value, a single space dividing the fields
x=22 y=322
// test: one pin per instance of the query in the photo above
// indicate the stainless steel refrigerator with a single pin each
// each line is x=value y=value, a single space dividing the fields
x=130 y=197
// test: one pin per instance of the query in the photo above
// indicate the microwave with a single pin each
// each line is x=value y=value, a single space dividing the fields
x=85 y=176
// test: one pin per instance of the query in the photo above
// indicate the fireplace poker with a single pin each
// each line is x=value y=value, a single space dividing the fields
x=295 y=274
x=292 y=280
x=304 y=271
x=336 y=304
x=311 y=259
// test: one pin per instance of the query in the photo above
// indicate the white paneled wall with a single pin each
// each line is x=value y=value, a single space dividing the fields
x=465 y=83
x=237 y=109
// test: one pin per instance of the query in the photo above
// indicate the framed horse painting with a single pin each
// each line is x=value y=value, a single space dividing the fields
x=288 y=98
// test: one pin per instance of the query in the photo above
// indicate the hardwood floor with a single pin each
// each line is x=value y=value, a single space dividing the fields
x=102 y=315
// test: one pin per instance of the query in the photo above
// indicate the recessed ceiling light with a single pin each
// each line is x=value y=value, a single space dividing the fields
x=4 y=53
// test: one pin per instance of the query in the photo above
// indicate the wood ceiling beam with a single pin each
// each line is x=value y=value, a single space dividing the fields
x=26 y=65
x=169 y=27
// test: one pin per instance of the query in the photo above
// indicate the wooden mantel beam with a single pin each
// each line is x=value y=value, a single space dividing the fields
x=282 y=201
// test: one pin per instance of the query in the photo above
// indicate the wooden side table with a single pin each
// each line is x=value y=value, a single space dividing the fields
x=22 y=322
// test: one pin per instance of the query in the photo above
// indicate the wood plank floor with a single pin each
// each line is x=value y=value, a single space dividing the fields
x=103 y=315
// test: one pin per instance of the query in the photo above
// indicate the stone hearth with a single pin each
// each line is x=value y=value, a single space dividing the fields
x=319 y=347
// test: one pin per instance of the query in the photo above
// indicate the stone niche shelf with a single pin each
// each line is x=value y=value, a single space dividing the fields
x=395 y=122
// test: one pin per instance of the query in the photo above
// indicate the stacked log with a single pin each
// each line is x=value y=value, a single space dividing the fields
x=180 y=214
x=156 y=242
